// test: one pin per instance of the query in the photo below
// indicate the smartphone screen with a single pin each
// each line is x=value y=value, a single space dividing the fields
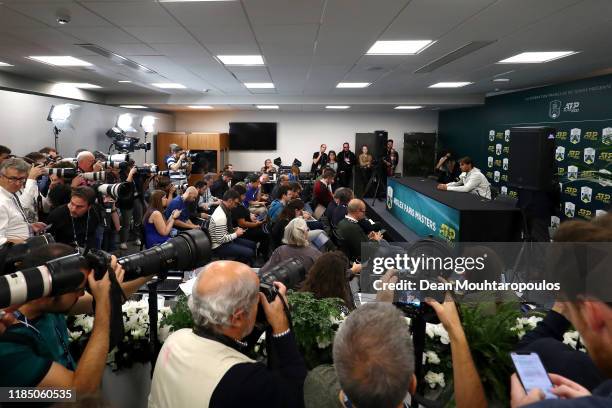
x=532 y=373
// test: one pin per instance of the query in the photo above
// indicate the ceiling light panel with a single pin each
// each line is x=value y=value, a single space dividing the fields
x=411 y=47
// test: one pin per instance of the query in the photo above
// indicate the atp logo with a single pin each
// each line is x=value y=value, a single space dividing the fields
x=589 y=155
x=389 y=197
x=570 y=210
x=572 y=172
x=554 y=109
x=586 y=194
x=575 y=135
x=560 y=153
x=606 y=136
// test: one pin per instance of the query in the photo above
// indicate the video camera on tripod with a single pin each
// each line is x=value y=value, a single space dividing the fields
x=188 y=250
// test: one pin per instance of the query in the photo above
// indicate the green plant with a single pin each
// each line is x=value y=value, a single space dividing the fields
x=492 y=337
x=180 y=318
x=315 y=322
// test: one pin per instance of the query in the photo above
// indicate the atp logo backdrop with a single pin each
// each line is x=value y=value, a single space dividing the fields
x=498 y=160
x=584 y=165
x=584 y=168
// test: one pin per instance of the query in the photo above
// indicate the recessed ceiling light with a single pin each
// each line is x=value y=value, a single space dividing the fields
x=61 y=61
x=125 y=82
x=187 y=1
x=408 y=107
x=168 y=85
x=81 y=85
x=353 y=84
x=200 y=107
x=133 y=106
x=337 y=107
x=267 y=106
x=536 y=57
x=450 y=84
x=241 y=59
x=399 y=47
x=4 y=64
x=259 y=85
x=501 y=80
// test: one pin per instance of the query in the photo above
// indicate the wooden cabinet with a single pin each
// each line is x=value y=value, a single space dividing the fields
x=218 y=142
x=162 y=142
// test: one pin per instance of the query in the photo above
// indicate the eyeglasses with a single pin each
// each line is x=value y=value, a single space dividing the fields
x=15 y=180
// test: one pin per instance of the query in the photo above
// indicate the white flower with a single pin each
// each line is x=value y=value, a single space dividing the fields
x=534 y=320
x=434 y=379
x=75 y=335
x=323 y=342
x=441 y=332
x=139 y=333
x=85 y=322
x=429 y=330
x=431 y=357
x=571 y=338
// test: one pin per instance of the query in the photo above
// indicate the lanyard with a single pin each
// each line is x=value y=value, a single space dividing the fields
x=21 y=210
x=74 y=234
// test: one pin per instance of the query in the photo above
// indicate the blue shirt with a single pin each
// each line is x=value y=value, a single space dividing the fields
x=251 y=195
x=275 y=209
x=177 y=203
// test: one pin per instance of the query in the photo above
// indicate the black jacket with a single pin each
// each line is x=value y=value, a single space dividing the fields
x=547 y=340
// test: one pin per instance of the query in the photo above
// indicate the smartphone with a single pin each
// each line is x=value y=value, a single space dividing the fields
x=532 y=373
x=382 y=231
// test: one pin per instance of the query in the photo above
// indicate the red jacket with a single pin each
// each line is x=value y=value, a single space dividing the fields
x=321 y=194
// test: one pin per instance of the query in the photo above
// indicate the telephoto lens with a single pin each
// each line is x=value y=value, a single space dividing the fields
x=163 y=173
x=62 y=172
x=56 y=277
x=13 y=255
x=289 y=272
x=188 y=250
x=120 y=165
x=94 y=176
x=120 y=157
x=117 y=191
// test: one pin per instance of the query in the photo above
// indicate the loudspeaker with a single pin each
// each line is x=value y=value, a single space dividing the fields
x=532 y=158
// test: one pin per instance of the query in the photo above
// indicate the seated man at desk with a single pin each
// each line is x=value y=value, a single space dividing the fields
x=471 y=180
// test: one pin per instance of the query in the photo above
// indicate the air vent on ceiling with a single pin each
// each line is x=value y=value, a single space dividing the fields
x=453 y=55
x=116 y=58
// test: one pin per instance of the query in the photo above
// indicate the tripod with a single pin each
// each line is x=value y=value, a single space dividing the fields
x=375 y=177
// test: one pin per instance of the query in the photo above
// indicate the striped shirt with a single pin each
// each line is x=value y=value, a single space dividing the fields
x=218 y=228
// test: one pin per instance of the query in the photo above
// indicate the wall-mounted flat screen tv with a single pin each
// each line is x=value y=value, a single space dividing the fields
x=252 y=136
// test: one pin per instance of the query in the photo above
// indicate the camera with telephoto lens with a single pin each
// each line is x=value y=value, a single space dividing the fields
x=117 y=191
x=187 y=251
x=62 y=172
x=147 y=170
x=289 y=272
x=94 y=175
x=12 y=255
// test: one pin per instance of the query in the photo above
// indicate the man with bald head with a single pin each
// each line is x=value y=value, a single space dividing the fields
x=182 y=203
x=351 y=233
x=206 y=366
x=86 y=162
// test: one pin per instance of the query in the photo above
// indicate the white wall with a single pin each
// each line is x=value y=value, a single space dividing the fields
x=24 y=127
x=301 y=133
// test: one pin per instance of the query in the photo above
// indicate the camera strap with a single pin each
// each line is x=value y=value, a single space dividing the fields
x=208 y=334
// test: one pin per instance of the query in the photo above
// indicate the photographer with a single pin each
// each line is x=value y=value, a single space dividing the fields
x=76 y=222
x=86 y=163
x=210 y=358
x=34 y=351
x=14 y=225
x=131 y=212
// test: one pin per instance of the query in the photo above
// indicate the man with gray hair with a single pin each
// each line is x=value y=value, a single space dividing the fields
x=373 y=361
x=14 y=225
x=207 y=367
x=351 y=232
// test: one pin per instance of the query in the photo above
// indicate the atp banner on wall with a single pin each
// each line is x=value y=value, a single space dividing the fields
x=498 y=161
x=423 y=215
x=584 y=169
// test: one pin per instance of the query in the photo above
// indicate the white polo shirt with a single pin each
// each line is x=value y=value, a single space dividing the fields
x=13 y=222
